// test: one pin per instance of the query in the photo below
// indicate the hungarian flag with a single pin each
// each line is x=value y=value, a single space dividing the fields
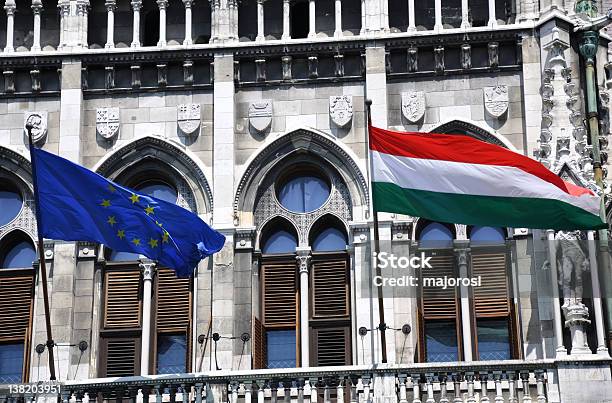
x=458 y=179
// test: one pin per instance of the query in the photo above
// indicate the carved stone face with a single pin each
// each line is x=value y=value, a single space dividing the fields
x=38 y=120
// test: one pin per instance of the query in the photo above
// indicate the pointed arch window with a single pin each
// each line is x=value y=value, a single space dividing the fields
x=11 y=202
x=303 y=193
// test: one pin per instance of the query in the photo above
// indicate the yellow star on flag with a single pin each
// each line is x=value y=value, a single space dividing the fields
x=136 y=241
x=111 y=188
x=111 y=220
x=121 y=234
x=105 y=203
x=149 y=210
x=134 y=198
x=153 y=243
x=165 y=237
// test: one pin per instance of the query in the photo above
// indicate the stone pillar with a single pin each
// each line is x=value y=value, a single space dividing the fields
x=260 y=21
x=338 y=18
x=597 y=308
x=438 y=12
x=552 y=259
x=36 y=10
x=110 y=23
x=492 y=18
x=312 y=29
x=65 y=28
x=411 y=17
x=462 y=254
x=286 y=20
x=136 y=6
x=71 y=102
x=188 y=37
x=465 y=17
x=82 y=15
x=376 y=83
x=363 y=17
x=9 y=8
x=303 y=258
x=148 y=271
x=576 y=318
x=162 y=4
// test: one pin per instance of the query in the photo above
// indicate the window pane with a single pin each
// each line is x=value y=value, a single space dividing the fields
x=441 y=341
x=171 y=354
x=304 y=194
x=20 y=256
x=280 y=242
x=487 y=235
x=11 y=362
x=436 y=235
x=493 y=339
x=116 y=256
x=10 y=205
x=159 y=190
x=281 y=349
x=328 y=240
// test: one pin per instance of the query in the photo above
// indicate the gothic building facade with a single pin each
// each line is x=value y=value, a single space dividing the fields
x=251 y=114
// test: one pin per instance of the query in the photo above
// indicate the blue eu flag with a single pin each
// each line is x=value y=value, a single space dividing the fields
x=76 y=204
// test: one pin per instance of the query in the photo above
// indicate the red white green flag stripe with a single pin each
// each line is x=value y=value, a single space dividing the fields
x=458 y=179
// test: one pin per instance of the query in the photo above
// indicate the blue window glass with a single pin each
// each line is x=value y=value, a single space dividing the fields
x=304 y=194
x=10 y=205
x=19 y=256
x=281 y=349
x=493 y=339
x=328 y=240
x=171 y=354
x=436 y=235
x=441 y=341
x=280 y=242
x=487 y=236
x=11 y=362
x=159 y=190
x=117 y=256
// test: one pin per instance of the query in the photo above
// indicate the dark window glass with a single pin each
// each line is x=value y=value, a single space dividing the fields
x=328 y=240
x=436 y=235
x=11 y=362
x=280 y=242
x=281 y=349
x=10 y=205
x=159 y=190
x=304 y=194
x=493 y=339
x=487 y=235
x=441 y=341
x=21 y=255
x=299 y=20
x=116 y=256
x=171 y=354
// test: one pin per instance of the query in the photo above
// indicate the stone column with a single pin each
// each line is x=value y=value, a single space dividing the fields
x=303 y=258
x=576 y=318
x=136 y=6
x=71 y=109
x=286 y=19
x=312 y=29
x=363 y=17
x=552 y=259
x=111 y=5
x=411 y=17
x=162 y=4
x=82 y=13
x=438 y=12
x=376 y=83
x=148 y=271
x=36 y=10
x=338 y=19
x=188 y=37
x=597 y=308
x=492 y=19
x=9 y=8
x=462 y=253
x=465 y=18
x=64 y=6
x=260 y=21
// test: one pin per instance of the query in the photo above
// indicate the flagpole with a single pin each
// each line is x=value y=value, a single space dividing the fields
x=42 y=261
x=382 y=327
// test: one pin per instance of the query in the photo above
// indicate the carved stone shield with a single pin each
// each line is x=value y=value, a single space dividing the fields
x=39 y=125
x=189 y=118
x=496 y=100
x=107 y=122
x=341 y=110
x=413 y=106
x=260 y=115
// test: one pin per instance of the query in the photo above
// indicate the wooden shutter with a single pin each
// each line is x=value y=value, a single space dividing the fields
x=16 y=296
x=492 y=298
x=280 y=293
x=122 y=356
x=332 y=346
x=437 y=303
x=173 y=296
x=122 y=299
x=330 y=288
x=259 y=345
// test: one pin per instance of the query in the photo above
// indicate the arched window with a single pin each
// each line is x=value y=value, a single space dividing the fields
x=159 y=190
x=280 y=242
x=19 y=255
x=328 y=240
x=118 y=256
x=10 y=202
x=436 y=235
x=304 y=193
x=487 y=236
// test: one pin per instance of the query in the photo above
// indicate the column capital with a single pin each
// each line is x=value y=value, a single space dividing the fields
x=136 y=5
x=148 y=268
x=9 y=7
x=188 y=3
x=162 y=4
x=36 y=6
x=303 y=257
x=110 y=5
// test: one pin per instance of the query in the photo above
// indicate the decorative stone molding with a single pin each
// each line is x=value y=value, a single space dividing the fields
x=496 y=100
x=17 y=170
x=107 y=122
x=341 y=110
x=413 y=106
x=189 y=119
x=245 y=238
x=39 y=122
x=303 y=258
x=86 y=250
x=148 y=269
x=576 y=318
x=260 y=115
x=466 y=56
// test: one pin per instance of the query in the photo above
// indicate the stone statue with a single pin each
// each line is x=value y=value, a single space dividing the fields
x=572 y=261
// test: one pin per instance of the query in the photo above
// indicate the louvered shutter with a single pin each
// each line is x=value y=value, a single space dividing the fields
x=437 y=303
x=122 y=356
x=332 y=346
x=16 y=296
x=122 y=299
x=330 y=288
x=259 y=345
x=173 y=296
x=491 y=299
x=280 y=293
